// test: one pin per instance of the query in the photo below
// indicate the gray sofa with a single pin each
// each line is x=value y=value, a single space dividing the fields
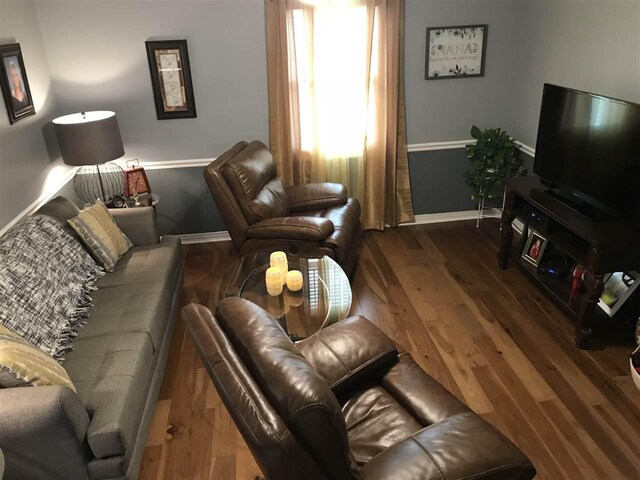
x=117 y=367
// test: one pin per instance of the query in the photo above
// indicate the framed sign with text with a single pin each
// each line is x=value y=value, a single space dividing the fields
x=456 y=52
x=171 y=79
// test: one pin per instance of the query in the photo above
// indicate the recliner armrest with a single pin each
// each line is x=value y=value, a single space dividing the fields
x=348 y=352
x=462 y=446
x=291 y=228
x=315 y=196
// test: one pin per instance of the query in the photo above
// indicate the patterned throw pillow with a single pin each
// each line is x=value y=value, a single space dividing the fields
x=99 y=232
x=23 y=365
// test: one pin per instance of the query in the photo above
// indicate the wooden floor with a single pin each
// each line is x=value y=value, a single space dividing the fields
x=488 y=335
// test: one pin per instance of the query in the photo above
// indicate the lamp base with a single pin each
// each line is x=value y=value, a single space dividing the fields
x=93 y=182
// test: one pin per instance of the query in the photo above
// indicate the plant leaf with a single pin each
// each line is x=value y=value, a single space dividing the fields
x=476 y=132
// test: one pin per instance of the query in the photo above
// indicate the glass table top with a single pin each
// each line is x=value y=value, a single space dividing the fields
x=325 y=297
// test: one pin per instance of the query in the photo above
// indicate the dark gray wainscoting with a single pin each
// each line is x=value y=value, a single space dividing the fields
x=437 y=181
x=185 y=203
x=186 y=206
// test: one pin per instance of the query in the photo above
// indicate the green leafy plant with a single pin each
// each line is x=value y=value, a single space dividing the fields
x=494 y=157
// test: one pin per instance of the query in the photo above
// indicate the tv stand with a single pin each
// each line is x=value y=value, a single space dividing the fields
x=581 y=207
x=600 y=246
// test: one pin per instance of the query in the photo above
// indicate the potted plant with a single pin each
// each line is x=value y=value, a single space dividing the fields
x=494 y=157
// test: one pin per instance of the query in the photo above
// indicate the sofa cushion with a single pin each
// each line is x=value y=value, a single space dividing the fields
x=427 y=400
x=61 y=209
x=148 y=263
x=139 y=307
x=112 y=374
x=375 y=421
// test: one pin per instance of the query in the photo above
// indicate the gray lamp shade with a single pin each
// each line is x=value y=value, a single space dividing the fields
x=89 y=138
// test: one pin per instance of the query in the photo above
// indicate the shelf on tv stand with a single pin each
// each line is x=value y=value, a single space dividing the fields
x=600 y=246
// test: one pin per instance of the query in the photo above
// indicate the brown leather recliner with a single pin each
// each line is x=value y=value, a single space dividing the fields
x=261 y=213
x=342 y=404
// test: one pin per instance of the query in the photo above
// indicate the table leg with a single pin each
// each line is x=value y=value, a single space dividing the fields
x=583 y=333
x=506 y=238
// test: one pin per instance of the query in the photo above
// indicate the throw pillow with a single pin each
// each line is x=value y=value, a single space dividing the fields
x=22 y=364
x=99 y=232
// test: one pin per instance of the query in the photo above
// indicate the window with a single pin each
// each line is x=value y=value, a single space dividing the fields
x=332 y=57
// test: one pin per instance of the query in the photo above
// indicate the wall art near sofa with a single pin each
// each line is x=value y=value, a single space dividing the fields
x=171 y=79
x=14 y=83
x=456 y=52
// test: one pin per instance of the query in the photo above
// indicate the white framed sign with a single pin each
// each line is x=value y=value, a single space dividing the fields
x=456 y=52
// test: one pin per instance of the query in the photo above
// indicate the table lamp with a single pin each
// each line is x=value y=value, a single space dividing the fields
x=90 y=140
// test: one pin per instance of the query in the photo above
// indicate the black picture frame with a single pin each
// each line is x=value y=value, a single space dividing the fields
x=459 y=73
x=531 y=252
x=168 y=103
x=12 y=67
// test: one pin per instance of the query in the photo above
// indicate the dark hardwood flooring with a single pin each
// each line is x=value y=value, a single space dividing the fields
x=488 y=335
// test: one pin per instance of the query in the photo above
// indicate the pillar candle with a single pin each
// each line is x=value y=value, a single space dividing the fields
x=294 y=280
x=273 y=281
x=279 y=259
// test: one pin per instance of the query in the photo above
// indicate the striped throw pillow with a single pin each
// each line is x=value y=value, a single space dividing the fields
x=23 y=364
x=98 y=231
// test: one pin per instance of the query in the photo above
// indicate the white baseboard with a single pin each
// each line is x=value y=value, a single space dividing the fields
x=526 y=148
x=223 y=236
x=191 y=238
x=428 y=147
x=453 y=216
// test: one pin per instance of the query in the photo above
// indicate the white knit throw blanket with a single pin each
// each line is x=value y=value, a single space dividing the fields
x=46 y=277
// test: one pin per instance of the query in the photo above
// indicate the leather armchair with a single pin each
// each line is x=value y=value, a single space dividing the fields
x=261 y=213
x=342 y=404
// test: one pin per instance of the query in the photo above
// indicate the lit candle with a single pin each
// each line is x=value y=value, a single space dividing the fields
x=279 y=259
x=273 y=281
x=294 y=280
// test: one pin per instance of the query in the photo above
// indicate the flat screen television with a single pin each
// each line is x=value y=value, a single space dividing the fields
x=588 y=147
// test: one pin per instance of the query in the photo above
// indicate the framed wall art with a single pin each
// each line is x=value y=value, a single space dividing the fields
x=14 y=83
x=456 y=52
x=171 y=79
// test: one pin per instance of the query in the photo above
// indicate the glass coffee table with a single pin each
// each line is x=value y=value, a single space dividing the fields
x=325 y=297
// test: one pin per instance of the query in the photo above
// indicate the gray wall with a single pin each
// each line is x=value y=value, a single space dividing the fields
x=444 y=110
x=26 y=164
x=588 y=45
x=97 y=57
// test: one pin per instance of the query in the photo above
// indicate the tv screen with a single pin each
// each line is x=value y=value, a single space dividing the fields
x=590 y=145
